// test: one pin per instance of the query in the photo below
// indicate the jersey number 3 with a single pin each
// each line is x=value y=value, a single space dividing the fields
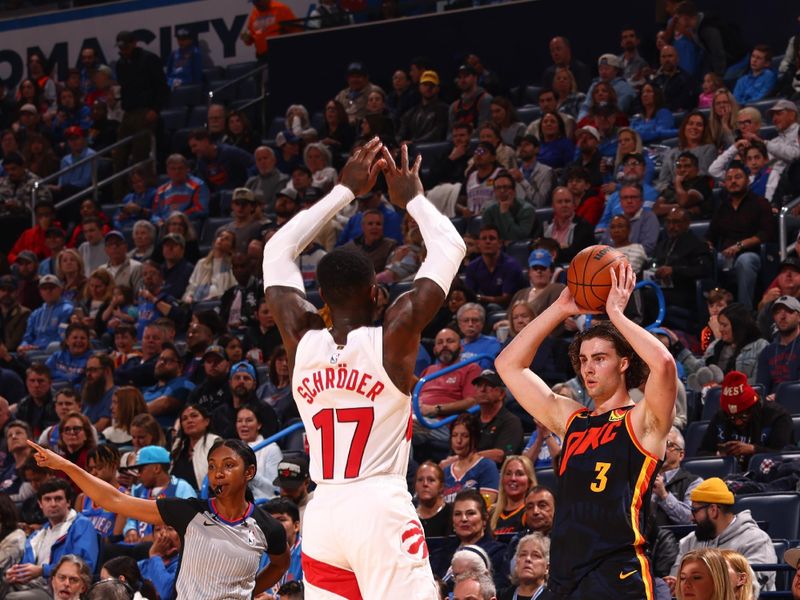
x=601 y=481
x=325 y=421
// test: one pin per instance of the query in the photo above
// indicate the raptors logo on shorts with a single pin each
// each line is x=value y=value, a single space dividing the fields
x=413 y=540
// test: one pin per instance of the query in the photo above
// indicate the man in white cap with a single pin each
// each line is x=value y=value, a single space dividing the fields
x=717 y=526
x=609 y=69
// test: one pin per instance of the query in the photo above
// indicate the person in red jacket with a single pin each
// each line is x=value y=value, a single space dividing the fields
x=33 y=238
x=264 y=22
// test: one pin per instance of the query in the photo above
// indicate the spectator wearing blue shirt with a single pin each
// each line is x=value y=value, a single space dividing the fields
x=68 y=364
x=79 y=178
x=64 y=532
x=98 y=390
x=221 y=166
x=633 y=171
x=471 y=318
x=161 y=568
x=758 y=83
x=153 y=462
x=71 y=113
x=494 y=276
x=609 y=69
x=166 y=398
x=467 y=469
x=644 y=226
x=45 y=323
x=138 y=203
x=183 y=193
x=392 y=220
x=184 y=65
x=288 y=515
x=655 y=121
x=557 y=150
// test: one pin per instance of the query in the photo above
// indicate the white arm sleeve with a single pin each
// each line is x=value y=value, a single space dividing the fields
x=445 y=246
x=282 y=250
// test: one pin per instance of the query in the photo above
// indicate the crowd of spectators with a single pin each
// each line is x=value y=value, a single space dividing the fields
x=133 y=335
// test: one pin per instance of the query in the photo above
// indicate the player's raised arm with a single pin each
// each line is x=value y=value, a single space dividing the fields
x=102 y=493
x=513 y=366
x=661 y=387
x=283 y=283
x=410 y=313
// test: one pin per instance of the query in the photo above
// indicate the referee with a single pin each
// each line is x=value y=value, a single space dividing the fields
x=223 y=538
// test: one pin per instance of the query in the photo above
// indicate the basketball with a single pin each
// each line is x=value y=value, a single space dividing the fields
x=589 y=275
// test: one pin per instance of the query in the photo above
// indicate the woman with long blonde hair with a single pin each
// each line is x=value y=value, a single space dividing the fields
x=516 y=479
x=745 y=586
x=722 y=118
x=69 y=269
x=703 y=575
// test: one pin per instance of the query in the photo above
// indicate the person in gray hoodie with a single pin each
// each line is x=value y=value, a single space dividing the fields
x=717 y=526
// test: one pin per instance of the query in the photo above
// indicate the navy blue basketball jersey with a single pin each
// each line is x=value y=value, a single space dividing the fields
x=604 y=485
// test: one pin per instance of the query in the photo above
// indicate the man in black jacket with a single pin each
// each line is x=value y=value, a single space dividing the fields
x=746 y=425
x=144 y=93
x=214 y=394
x=681 y=258
x=427 y=121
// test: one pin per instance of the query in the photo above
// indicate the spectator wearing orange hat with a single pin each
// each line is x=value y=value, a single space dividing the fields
x=745 y=424
x=717 y=526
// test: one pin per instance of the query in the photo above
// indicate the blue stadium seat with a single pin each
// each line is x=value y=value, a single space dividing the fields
x=782 y=578
x=788 y=396
x=210 y=228
x=528 y=114
x=768 y=132
x=179 y=142
x=763 y=106
x=519 y=251
x=710 y=466
x=239 y=69
x=546 y=477
x=197 y=117
x=187 y=95
x=276 y=126
x=212 y=73
x=318 y=120
x=780 y=511
x=173 y=118
x=474 y=225
x=679 y=116
x=248 y=88
x=544 y=214
x=493 y=318
x=531 y=94
x=693 y=436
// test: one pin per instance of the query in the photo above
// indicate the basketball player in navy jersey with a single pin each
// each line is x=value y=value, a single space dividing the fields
x=361 y=535
x=610 y=456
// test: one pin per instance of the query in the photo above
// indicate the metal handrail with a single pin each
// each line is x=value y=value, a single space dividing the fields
x=93 y=160
x=279 y=435
x=782 y=225
x=236 y=80
x=425 y=379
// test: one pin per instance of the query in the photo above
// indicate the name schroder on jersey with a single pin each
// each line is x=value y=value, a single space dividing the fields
x=339 y=378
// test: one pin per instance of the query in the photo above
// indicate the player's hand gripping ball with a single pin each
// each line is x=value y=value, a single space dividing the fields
x=589 y=276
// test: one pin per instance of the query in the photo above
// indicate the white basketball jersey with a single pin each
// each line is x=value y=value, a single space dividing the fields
x=358 y=424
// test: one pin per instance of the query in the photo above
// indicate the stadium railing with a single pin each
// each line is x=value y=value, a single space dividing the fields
x=425 y=379
x=259 y=75
x=94 y=161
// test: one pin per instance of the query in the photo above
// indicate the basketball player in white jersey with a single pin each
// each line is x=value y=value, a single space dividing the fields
x=351 y=383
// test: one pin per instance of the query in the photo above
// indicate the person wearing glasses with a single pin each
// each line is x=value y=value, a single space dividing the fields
x=674 y=485
x=165 y=399
x=717 y=526
x=745 y=424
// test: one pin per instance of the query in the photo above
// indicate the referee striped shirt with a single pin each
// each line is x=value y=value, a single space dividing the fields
x=220 y=558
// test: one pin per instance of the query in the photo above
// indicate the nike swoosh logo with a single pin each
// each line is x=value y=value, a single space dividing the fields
x=626 y=575
x=207 y=524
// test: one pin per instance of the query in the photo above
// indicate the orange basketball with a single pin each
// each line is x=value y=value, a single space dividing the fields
x=589 y=275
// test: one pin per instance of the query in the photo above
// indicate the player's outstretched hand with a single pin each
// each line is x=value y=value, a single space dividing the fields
x=623 y=280
x=404 y=183
x=48 y=458
x=361 y=171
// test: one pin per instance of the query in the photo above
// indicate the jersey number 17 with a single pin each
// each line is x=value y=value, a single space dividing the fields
x=325 y=422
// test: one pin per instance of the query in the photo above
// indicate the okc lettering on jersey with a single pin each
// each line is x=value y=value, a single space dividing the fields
x=342 y=378
x=579 y=442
